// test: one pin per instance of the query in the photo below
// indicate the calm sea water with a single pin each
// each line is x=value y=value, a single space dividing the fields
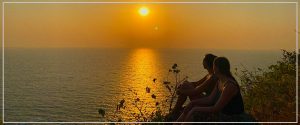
x=72 y=84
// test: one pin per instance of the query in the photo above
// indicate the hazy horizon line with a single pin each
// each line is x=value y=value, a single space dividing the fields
x=259 y=49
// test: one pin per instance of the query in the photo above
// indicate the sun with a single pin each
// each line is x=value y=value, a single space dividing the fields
x=143 y=11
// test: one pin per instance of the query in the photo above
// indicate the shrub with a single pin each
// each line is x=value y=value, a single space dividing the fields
x=270 y=95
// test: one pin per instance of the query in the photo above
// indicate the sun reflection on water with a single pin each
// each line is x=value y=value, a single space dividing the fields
x=140 y=72
x=142 y=69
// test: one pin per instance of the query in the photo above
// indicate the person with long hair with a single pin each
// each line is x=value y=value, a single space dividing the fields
x=229 y=98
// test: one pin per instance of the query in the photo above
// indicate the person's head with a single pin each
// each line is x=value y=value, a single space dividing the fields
x=222 y=67
x=208 y=61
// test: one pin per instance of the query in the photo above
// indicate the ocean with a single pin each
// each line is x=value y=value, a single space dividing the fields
x=71 y=84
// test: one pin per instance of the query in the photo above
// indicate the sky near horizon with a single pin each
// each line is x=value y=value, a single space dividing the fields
x=217 y=26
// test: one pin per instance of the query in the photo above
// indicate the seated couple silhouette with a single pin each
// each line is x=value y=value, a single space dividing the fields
x=216 y=92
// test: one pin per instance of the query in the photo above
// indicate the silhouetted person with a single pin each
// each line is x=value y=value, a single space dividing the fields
x=229 y=99
x=196 y=90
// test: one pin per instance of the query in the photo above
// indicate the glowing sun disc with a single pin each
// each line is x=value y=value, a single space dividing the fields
x=143 y=11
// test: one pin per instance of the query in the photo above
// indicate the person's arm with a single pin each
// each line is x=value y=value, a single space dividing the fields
x=202 y=102
x=197 y=83
x=198 y=89
x=229 y=91
x=206 y=100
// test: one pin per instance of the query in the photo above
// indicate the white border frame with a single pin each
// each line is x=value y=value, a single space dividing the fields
x=3 y=6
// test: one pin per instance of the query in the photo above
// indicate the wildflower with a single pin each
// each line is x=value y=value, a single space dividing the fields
x=147 y=89
x=101 y=112
x=154 y=80
x=174 y=66
x=157 y=103
x=153 y=96
x=137 y=99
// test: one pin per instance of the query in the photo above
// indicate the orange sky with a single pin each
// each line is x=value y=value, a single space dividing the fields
x=219 y=26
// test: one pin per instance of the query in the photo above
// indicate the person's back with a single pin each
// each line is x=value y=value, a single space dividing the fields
x=236 y=104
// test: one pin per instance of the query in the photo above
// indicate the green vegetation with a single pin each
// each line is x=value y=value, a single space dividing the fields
x=269 y=95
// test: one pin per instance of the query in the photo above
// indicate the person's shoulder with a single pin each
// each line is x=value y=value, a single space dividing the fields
x=232 y=83
x=213 y=77
x=230 y=88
